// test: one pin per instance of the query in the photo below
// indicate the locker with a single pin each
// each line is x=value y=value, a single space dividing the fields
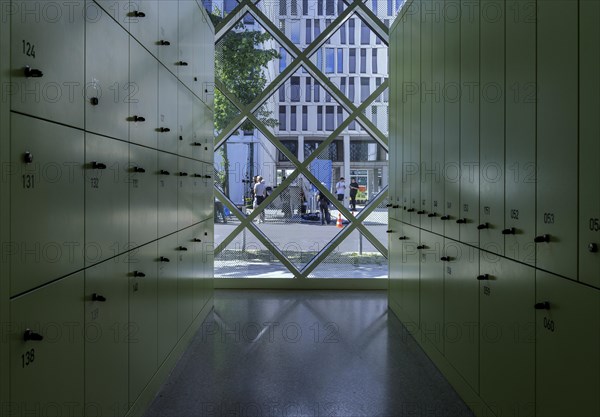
x=426 y=118
x=143 y=103
x=432 y=289
x=120 y=10
x=557 y=125
x=461 y=310
x=520 y=168
x=108 y=91
x=143 y=195
x=451 y=94
x=415 y=126
x=106 y=198
x=411 y=248
x=491 y=117
x=395 y=262
x=202 y=272
x=507 y=335
x=106 y=336
x=185 y=203
x=394 y=136
x=143 y=25
x=167 y=111
x=566 y=347
x=185 y=64
x=167 y=301
x=589 y=147
x=142 y=317
x=408 y=167
x=184 y=120
x=46 y=336
x=46 y=182
x=200 y=35
x=47 y=41
x=202 y=193
x=202 y=135
x=167 y=193
x=168 y=37
x=185 y=280
x=469 y=125
x=205 y=56
x=437 y=150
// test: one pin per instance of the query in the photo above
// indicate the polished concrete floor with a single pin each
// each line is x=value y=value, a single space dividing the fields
x=305 y=353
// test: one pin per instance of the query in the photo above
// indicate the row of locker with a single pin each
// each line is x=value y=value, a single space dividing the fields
x=74 y=64
x=100 y=198
x=494 y=131
x=526 y=341
x=87 y=345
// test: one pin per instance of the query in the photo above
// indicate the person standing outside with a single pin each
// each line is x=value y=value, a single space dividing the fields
x=324 y=208
x=340 y=189
x=354 y=187
x=260 y=193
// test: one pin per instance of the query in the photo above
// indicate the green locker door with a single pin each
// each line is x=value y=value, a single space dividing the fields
x=208 y=258
x=144 y=26
x=143 y=195
x=519 y=214
x=143 y=107
x=427 y=98
x=451 y=99
x=207 y=61
x=168 y=36
x=167 y=300
x=589 y=146
x=410 y=275
x=415 y=114
x=469 y=123
x=507 y=334
x=185 y=203
x=143 y=338
x=106 y=337
x=432 y=289
x=461 y=310
x=567 y=346
x=47 y=375
x=47 y=44
x=198 y=137
x=186 y=41
x=184 y=117
x=167 y=111
x=167 y=193
x=108 y=90
x=437 y=150
x=408 y=167
x=106 y=198
x=200 y=58
x=185 y=280
x=395 y=263
x=202 y=193
x=47 y=164
x=557 y=141
x=394 y=137
x=200 y=272
x=491 y=192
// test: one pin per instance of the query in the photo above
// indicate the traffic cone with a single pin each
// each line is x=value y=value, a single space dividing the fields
x=339 y=224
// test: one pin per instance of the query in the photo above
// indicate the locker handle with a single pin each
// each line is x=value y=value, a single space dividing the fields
x=164 y=43
x=410 y=210
x=434 y=214
x=138 y=119
x=98 y=165
x=98 y=297
x=95 y=101
x=483 y=277
x=31 y=335
x=183 y=174
x=197 y=176
x=197 y=240
x=137 y=14
x=389 y=231
x=163 y=172
x=542 y=238
x=182 y=248
x=28 y=157
x=593 y=247
x=196 y=144
x=422 y=247
x=461 y=221
x=33 y=73
x=182 y=63
x=545 y=305
x=180 y=137
x=403 y=238
x=395 y=206
x=510 y=231
x=445 y=217
x=207 y=176
x=483 y=226
x=164 y=129
x=421 y=212
x=445 y=259
x=138 y=274
x=139 y=169
x=389 y=205
x=163 y=259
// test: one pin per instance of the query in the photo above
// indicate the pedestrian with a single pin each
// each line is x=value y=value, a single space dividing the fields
x=354 y=187
x=340 y=188
x=324 y=208
x=260 y=193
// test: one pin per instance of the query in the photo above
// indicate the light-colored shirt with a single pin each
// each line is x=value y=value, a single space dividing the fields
x=340 y=187
x=260 y=189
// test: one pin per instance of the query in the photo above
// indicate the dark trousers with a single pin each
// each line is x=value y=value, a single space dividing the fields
x=325 y=217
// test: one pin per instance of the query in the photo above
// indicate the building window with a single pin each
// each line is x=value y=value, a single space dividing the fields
x=351 y=89
x=374 y=6
x=283 y=7
x=282 y=93
x=308 y=89
x=334 y=151
x=327 y=23
x=320 y=59
x=377 y=84
x=294 y=7
x=304 y=118
x=295 y=31
x=343 y=85
x=340 y=116
x=343 y=34
x=363 y=151
x=317 y=24
x=317 y=93
x=363 y=61
x=365 y=32
x=329 y=7
x=305 y=7
x=319 y=117
x=340 y=60
x=282 y=117
x=351 y=61
x=308 y=32
x=293 y=118
x=329 y=119
x=374 y=115
x=340 y=6
x=364 y=88
x=329 y=60
x=351 y=29
x=320 y=7
x=230 y=5
x=292 y=146
x=390 y=7
x=295 y=93
x=282 y=60
x=352 y=125
x=374 y=61
x=327 y=97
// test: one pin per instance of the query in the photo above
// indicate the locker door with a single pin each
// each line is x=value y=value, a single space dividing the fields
x=557 y=120
x=201 y=272
x=395 y=262
x=432 y=289
x=408 y=169
x=469 y=125
x=143 y=105
x=185 y=203
x=186 y=32
x=185 y=280
x=491 y=192
x=46 y=182
x=185 y=125
x=167 y=111
x=567 y=346
x=143 y=25
x=426 y=108
x=167 y=301
x=106 y=337
x=461 y=310
x=202 y=135
x=520 y=168
x=168 y=37
x=107 y=78
x=142 y=317
x=507 y=332
x=394 y=137
x=201 y=193
x=47 y=41
x=415 y=114
x=208 y=258
x=120 y=10
x=199 y=60
x=451 y=94
x=437 y=150
x=143 y=195
x=53 y=313
x=589 y=147
x=207 y=62
x=410 y=273
x=106 y=198
x=167 y=193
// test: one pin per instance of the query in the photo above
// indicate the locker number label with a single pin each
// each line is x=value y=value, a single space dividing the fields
x=28 y=49
x=514 y=214
x=487 y=291
x=28 y=181
x=95 y=182
x=28 y=358
x=595 y=224
x=548 y=324
x=549 y=218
